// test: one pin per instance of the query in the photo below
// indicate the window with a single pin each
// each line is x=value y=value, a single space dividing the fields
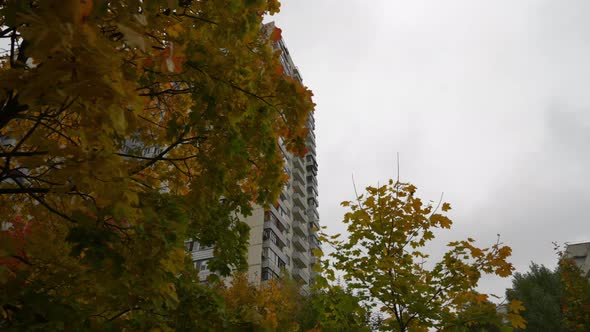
x=201 y=265
x=192 y=246
x=274 y=258
x=189 y=245
x=312 y=202
x=271 y=218
x=269 y=255
x=280 y=264
x=270 y=235
x=282 y=211
x=312 y=191
x=268 y=274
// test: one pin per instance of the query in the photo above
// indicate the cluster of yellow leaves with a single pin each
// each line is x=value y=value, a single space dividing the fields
x=515 y=307
x=270 y=306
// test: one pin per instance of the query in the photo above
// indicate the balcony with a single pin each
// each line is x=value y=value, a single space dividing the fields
x=299 y=228
x=314 y=242
x=285 y=198
x=287 y=169
x=282 y=147
x=311 y=150
x=297 y=163
x=299 y=214
x=312 y=192
x=299 y=187
x=312 y=169
x=267 y=264
x=299 y=201
x=311 y=138
x=274 y=226
x=301 y=274
x=311 y=123
x=273 y=214
x=298 y=175
x=312 y=213
x=279 y=253
x=312 y=202
x=313 y=260
x=300 y=259
x=300 y=243
x=314 y=224
x=311 y=181
x=270 y=237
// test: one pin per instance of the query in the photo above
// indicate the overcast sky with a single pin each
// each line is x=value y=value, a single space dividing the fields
x=486 y=101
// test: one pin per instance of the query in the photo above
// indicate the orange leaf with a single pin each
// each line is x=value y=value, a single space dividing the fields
x=275 y=36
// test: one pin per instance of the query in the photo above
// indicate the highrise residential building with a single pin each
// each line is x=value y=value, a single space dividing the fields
x=283 y=236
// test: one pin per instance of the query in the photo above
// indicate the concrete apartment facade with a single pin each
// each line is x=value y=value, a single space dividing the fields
x=580 y=253
x=283 y=236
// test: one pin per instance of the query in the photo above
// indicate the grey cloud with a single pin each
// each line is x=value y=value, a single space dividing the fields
x=546 y=197
x=486 y=101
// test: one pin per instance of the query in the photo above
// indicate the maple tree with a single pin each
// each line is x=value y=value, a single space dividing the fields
x=127 y=127
x=575 y=301
x=334 y=308
x=384 y=258
x=270 y=306
x=479 y=317
x=283 y=305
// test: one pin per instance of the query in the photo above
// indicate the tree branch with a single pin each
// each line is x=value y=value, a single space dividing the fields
x=7 y=191
x=21 y=154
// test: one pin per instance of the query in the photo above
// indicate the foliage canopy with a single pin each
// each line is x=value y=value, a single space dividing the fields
x=540 y=290
x=127 y=127
x=383 y=257
x=575 y=303
x=555 y=300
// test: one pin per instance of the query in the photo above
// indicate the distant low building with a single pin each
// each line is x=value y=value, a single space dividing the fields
x=580 y=253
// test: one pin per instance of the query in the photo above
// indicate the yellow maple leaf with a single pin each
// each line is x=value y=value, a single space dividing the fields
x=446 y=207
x=516 y=320
x=174 y=30
x=481 y=298
x=515 y=306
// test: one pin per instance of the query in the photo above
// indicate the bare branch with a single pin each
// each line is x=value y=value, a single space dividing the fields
x=356 y=193
x=21 y=154
x=25 y=190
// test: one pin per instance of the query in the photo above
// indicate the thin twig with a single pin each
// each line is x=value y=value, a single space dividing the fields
x=356 y=193
x=397 y=167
